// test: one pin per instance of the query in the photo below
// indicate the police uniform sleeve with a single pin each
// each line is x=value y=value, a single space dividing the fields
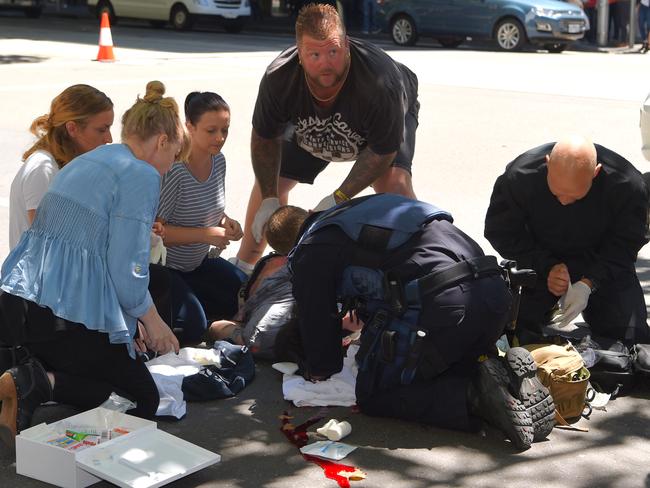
x=316 y=271
x=506 y=228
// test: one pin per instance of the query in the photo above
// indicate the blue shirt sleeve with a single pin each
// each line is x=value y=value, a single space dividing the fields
x=129 y=238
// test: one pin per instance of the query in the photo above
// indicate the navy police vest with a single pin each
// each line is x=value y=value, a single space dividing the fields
x=380 y=222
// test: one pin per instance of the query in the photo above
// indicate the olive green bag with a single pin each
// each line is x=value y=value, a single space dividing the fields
x=561 y=369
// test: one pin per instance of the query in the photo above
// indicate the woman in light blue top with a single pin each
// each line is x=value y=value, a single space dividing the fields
x=75 y=287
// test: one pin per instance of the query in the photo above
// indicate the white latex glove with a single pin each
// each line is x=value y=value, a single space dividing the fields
x=572 y=303
x=158 y=250
x=325 y=203
x=268 y=206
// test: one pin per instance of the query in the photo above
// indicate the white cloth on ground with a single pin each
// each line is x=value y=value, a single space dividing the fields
x=168 y=372
x=338 y=390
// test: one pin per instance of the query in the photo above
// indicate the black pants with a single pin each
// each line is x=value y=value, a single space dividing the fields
x=462 y=323
x=617 y=310
x=87 y=368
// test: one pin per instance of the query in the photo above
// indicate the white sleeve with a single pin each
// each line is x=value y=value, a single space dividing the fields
x=36 y=183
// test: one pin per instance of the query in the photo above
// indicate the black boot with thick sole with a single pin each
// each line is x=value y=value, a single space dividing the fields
x=530 y=391
x=494 y=403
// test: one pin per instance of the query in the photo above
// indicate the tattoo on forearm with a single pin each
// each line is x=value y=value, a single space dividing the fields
x=265 y=155
x=368 y=167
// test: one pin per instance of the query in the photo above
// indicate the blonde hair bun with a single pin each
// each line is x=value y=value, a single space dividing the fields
x=155 y=91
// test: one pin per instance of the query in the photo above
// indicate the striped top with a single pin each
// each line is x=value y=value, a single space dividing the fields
x=187 y=202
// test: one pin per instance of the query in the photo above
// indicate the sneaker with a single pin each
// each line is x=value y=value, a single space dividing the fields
x=242 y=265
x=530 y=391
x=490 y=399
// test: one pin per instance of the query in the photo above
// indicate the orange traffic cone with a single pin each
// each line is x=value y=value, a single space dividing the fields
x=105 y=53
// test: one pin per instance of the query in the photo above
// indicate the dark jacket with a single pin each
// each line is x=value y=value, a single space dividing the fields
x=603 y=231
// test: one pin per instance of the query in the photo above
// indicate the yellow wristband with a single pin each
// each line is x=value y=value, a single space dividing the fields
x=341 y=196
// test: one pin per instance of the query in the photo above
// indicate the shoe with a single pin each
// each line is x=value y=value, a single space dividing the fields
x=490 y=399
x=22 y=389
x=247 y=268
x=644 y=48
x=530 y=391
x=9 y=412
x=12 y=356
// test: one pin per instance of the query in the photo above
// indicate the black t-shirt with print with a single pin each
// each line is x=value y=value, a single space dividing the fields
x=369 y=109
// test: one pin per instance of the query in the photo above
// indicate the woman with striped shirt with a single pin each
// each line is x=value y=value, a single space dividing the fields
x=192 y=204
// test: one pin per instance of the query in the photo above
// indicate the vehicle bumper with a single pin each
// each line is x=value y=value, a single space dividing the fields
x=22 y=4
x=229 y=12
x=221 y=18
x=541 y=29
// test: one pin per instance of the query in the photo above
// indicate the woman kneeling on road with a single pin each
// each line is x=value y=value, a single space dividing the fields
x=75 y=286
x=79 y=120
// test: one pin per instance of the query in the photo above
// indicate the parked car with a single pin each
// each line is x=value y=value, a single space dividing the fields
x=31 y=8
x=551 y=24
x=181 y=14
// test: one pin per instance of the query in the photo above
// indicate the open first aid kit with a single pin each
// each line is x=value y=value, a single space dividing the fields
x=102 y=444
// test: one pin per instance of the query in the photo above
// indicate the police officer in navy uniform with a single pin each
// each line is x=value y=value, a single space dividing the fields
x=432 y=303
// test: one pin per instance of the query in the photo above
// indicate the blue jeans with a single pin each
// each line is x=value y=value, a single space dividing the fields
x=209 y=292
x=369 y=9
x=644 y=22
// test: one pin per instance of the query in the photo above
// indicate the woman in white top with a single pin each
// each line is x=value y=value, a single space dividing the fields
x=80 y=119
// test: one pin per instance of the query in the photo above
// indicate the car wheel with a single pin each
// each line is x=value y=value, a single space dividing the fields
x=180 y=18
x=403 y=31
x=510 y=34
x=157 y=24
x=105 y=6
x=450 y=42
x=233 y=26
x=555 y=48
x=33 y=12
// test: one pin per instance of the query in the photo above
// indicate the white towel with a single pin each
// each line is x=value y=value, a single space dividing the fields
x=168 y=372
x=169 y=383
x=338 y=390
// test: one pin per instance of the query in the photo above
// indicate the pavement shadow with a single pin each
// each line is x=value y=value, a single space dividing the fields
x=245 y=431
x=19 y=58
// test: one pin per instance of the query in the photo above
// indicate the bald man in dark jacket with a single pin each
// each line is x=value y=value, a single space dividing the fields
x=576 y=213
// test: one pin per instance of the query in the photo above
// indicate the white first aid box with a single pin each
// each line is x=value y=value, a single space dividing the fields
x=144 y=458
